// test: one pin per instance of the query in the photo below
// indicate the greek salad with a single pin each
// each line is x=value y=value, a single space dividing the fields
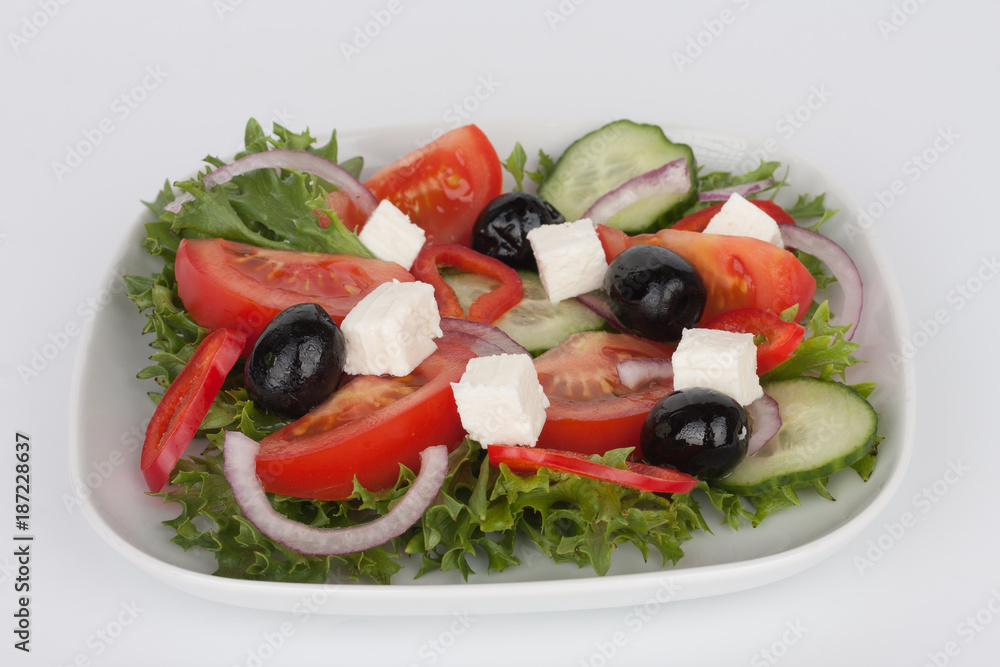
x=620 y=348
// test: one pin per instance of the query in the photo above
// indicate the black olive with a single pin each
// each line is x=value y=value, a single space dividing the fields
x=655 y=292
x=297 y=361
x=501 y=230
x=702 y=432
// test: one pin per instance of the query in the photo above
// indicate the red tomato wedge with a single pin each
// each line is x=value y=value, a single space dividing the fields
x=365 y=430
x=442 y=186
x=739 y=272
x=490 y=306
x=225 y=284
x=590 y=411
x=185 y=404
x=697 y=221
x=526 y=460
x=775 y=338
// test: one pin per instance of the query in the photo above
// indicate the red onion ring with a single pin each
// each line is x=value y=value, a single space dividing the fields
x=723 y=194
x=839 y=262
x=487 y=338
x=241 y=472
x=598 y=304
x=634 y=372
x=672 y=178
x=766 y=422
x=283 y=158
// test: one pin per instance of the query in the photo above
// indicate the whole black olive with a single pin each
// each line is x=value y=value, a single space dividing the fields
x=655 y=292
x=702 y=432
x=297 y=361
x=501 y=230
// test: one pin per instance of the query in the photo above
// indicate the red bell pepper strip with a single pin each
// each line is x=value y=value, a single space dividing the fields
x=489 y=307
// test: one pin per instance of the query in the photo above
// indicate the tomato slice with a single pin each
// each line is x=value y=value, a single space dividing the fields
x=365 y=430
x=242 y=287
x=526 y=460
x=776 y=339
x=738 y=271
x=590 y=411
x=489 y=307
x=697 y=221
x=185 y=404
x=442 y=186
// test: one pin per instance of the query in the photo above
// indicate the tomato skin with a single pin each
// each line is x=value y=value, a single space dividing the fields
x=366 y=429
x=442 y=186
x=738 y=271
x=697 y=221
x=185 y=404
x=489 y=307
x=526 y=460
x=589 y=411
x=781 y=337
x=225 y=284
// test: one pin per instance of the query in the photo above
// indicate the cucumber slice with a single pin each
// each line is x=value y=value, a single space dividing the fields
x=536 y=323
x=605 y=159
x=826 y=426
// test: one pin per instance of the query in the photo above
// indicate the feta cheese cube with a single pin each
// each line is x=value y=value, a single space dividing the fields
x=500 y=400
x=720 y=360
x=570 y=258
x=391 y=330
x=738 y=217
x=391 y=236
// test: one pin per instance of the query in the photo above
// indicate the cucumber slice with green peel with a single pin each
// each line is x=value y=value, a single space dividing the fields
x=536 y=323
x=605 y=159
x=825 y=426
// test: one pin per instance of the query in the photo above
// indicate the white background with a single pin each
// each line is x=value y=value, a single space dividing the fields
x=885 y=79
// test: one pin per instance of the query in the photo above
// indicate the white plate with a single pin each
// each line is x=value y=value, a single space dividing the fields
x=110 y=408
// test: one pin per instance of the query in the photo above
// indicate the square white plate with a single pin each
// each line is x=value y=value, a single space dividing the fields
x=109 y=411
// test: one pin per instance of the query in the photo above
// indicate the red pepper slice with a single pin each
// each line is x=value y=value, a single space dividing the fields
x=490 y=306
x=185 y=404
x=697 y=221
x=776 y=339
x=526 y=460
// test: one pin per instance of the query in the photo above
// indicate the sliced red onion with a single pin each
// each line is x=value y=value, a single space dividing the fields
x=487 y=338
x=766 y=422
x=283 y=158
x=723 y=194
x=597 y=302
x=839 y=262
x=240 y=468
x=672 y=178
x=635 y=372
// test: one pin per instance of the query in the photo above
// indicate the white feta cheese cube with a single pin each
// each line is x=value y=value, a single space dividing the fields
x=738 y=217
x=391 y=330
x=500 y=400
x=391 y=236
x=720 y=360
x=570 y=258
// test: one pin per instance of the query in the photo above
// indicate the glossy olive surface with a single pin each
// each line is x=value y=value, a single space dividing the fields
x=655 y=292
x=297 y=361
x=501 y=230
x=702 y=432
